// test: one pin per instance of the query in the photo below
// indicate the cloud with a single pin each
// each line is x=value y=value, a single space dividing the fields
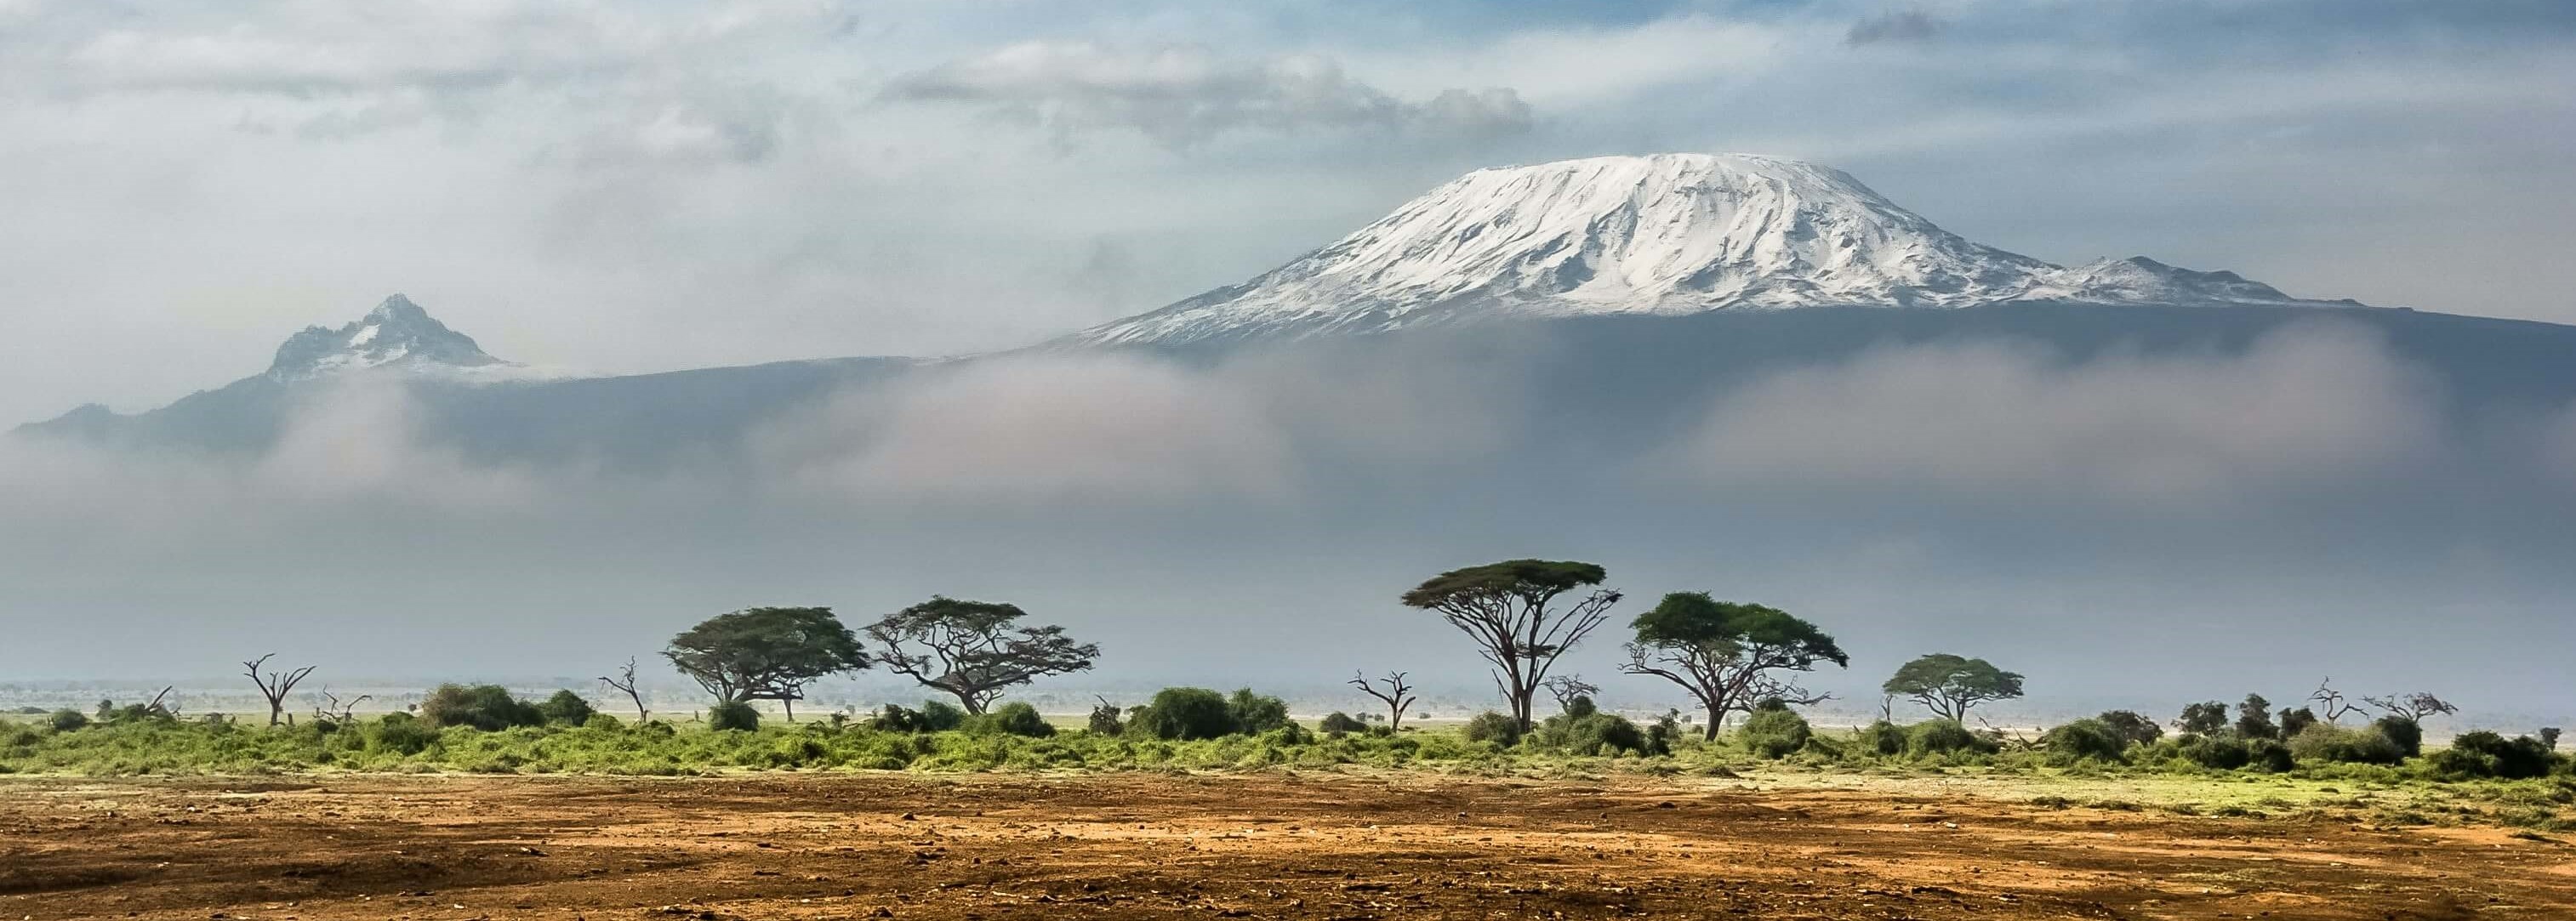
x=2307 y=407
x=1039 y=430
x=1894 y=26
x=1180 y=95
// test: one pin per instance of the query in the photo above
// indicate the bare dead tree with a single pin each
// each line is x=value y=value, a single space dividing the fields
x=1565 y=688
x=626 y=682
x=334 y=709
x=2331 y=703
x=2415 y=707
x=274 y=685
x=160 y=706
x=1397 y=695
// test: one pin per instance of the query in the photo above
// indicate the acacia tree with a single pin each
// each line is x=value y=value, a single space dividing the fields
x=1948 y=685
x=766 y=653
x=1728 y=655
x=974 y=649
x=1397 y=695
x=1507 y=609
x=274 y=685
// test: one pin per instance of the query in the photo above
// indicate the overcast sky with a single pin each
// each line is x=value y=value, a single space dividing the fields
x=641 y=186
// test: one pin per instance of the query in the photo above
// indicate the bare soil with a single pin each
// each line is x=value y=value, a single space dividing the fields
x=1394 y=845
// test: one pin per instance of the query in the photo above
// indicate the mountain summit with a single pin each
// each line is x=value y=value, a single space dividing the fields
x=1661 y=234
x=397 y=334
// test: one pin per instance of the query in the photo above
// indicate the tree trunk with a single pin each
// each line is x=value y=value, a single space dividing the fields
x=790 y=704
x=276 y=711
x=1716 y=720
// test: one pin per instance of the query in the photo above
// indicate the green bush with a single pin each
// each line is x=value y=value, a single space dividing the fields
x=1012 y=719
x=1883 y=737
x=733 y=714
x=2408 y=734
x=1775 y=732
x=1497 y=728
x=1340 y=723
x=566 y=708
x=1254 y=714
x=2086 y=739
x=2133 y=726
x=1184 y=714
x=2215 y=752
x=2269 y=755
x=1106 y=720
x=2486 y=754
x=68 y=720
x=401 y=733
x=488 y=707
x=1590 y=733
x=1943 y=737
x=2328 y=742
x=604 y=723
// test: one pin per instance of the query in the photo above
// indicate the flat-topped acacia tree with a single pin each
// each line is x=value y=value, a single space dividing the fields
x=766 y=653
x=1509 y=609
x=1948 y=685
x=974 y=649
x=1729 y=655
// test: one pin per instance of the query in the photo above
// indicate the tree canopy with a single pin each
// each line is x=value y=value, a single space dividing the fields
x=1508 y=610
x=1948 y=685
x=974 y=649
x=765 y=653
x=1729 y=655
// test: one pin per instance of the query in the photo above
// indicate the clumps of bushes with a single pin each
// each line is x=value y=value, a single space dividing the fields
x=1012 y=719
x=2132 y=726
x=933 y=716
x=68 y=720
x=2092 y=739
x=1882 y=738
x=1584 y=730
x=401 y=733
x=2230 y=752
x=1493 y=727
x=1198 y=713
x=1946 y=737
x=2486 y=754
x=566 y=709
x=2327 y=742
x=733 y=714
x=2408 y=734
x=1775 y=731
x=1107 y=719
x=1338 y=723
x=488 y=707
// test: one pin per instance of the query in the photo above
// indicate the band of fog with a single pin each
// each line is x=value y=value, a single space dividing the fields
x=2310 y=403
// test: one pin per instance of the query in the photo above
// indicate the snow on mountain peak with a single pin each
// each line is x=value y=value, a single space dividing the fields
x=1658 y=234
x=397 y=334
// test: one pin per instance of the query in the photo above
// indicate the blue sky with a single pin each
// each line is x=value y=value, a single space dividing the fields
x=627 y=187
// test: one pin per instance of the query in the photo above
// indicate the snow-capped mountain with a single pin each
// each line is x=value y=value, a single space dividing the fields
x=398 y=334
x=1662 y=234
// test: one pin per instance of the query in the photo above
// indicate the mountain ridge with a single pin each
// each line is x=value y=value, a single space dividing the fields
x=1653 y=234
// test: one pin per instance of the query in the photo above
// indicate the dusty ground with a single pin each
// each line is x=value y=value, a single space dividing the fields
x=1157 y=846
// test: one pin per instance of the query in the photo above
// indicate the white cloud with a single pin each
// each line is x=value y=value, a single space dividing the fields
x=1184 y=94
x=2307 y=407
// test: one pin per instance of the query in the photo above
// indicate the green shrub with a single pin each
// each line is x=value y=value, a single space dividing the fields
x=2216 y=752
x=566 y=708
x=488 y=707
x=1340 y=723
x=2408 y=734
x=2086 y=739
x=1254 y=714
x=733 y=714
x=604 y=722
x=401 y=733
x=2485 y=754
x=1013 y=719
x=1943 y=737
x=2133 y=726
x=2328 y=742
x=1106 y=720
x=1883 y=737
x=2269 y=755
x=68 y=720
x=1497 y=728
x=1590 y=733
x=1184 y=714
x=1775 y=732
